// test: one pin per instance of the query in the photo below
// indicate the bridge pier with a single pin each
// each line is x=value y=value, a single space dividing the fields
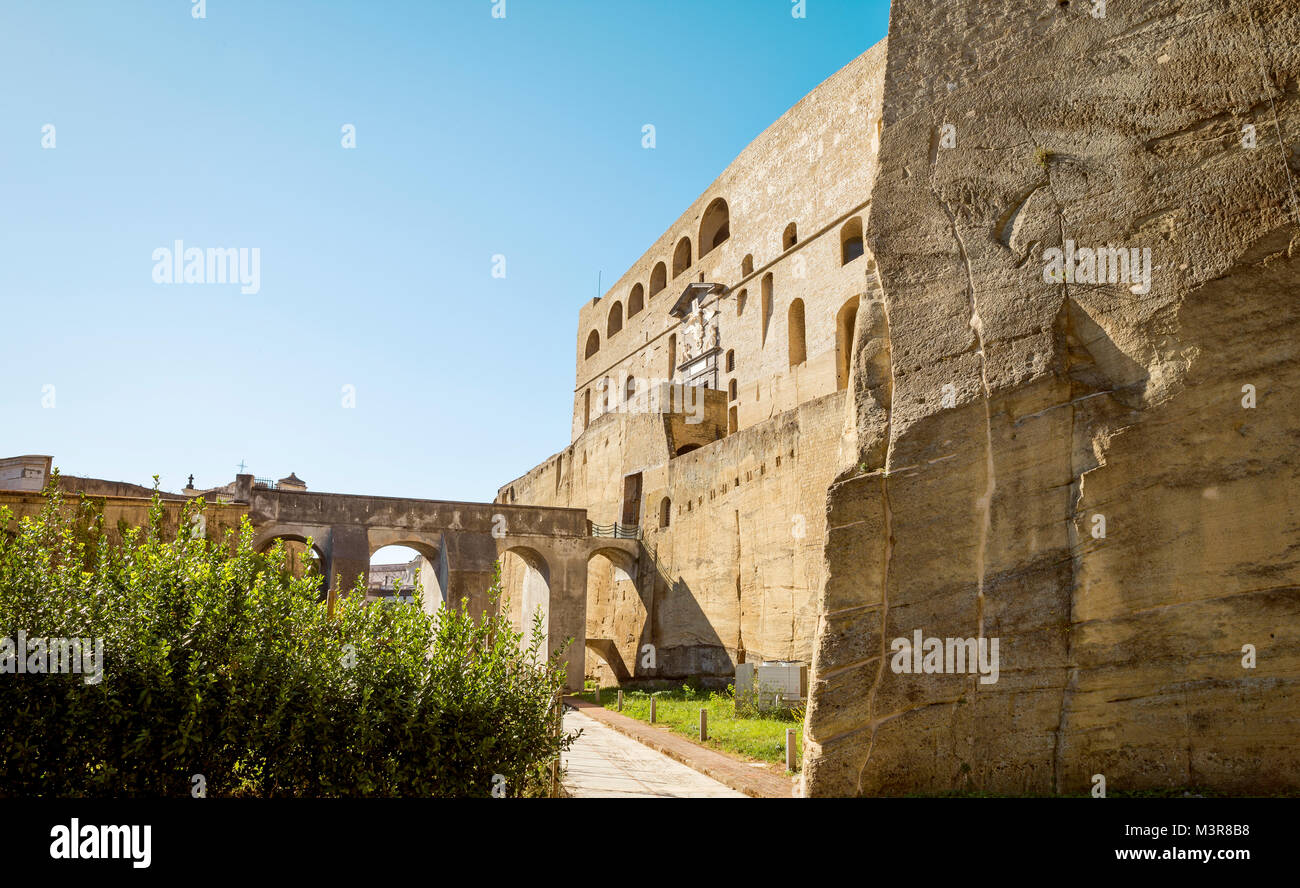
x=568 y=609
x=349 y=556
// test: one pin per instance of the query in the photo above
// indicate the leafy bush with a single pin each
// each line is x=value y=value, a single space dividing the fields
x=218 y=661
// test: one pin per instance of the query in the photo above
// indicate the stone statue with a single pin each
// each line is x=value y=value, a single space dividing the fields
x=701 y=333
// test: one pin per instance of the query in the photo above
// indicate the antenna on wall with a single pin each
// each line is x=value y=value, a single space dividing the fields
x=598 y=284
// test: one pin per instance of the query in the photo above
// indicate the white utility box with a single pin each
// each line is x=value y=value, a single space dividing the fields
x=774 y=684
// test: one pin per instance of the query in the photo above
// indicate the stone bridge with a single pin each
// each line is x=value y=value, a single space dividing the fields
x=464 y=541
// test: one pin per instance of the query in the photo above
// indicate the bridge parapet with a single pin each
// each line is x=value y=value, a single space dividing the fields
x=416 y=515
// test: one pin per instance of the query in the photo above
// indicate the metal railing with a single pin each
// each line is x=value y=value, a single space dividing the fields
x=264 y=482
x=616 y=530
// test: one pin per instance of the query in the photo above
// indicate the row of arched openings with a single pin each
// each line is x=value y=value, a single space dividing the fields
x=715 y=229
x=797 y=345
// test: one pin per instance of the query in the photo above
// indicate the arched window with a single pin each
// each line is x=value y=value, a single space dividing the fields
x=615 y=320
x=851 y=240
x=845 y=322
x=665 y=512
x=629 y=389
x=593 y=343
x=636 y=301
x=747 y=265
x=731 y=390
x=791 y=236
x=731 y=360
x=658 y=278
x=794 y=330
x=682 y=256
x=715 y=227
x=767 y=305
x=731 y=420
x=740 y=302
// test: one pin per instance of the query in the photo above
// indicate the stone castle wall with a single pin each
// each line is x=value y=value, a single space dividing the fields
x=735 y=570
x=813 y=168
x=739 y=564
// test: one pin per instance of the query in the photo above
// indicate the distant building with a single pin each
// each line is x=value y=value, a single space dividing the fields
x=25 y=472
x=385 y=577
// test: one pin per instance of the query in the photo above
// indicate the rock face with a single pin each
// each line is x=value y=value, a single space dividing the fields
x=1096 y=469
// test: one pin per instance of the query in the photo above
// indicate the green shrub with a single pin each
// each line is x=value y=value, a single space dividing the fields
x=217 y=661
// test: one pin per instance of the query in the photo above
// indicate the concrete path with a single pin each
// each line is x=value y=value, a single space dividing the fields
x=605 y=764
x=752 y=778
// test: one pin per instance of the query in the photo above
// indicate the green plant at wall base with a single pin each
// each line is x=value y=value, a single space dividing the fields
x=218 y=661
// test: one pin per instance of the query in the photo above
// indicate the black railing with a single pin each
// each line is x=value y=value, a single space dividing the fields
x=617 y=531
x=264 y=482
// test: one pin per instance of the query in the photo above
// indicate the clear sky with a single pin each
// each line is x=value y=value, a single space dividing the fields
x=475 y=136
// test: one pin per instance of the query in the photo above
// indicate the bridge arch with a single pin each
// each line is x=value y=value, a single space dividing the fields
x=428 y=548
x=526 y=581
x=616 y=612
x=299 y=540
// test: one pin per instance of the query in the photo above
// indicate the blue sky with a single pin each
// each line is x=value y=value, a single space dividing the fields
x=475 y=136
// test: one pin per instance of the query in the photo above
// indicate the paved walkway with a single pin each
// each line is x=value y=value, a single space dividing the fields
x=745 y=777
x=605 y=764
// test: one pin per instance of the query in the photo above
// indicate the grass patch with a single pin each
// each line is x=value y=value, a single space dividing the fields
x=756 y=736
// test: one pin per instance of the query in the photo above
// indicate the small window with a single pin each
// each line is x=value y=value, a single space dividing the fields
x=636 y=301
x=665 y=512
x=747 y=265
x=845 y=322
x=682 y=256
x=791 y=236
x=767 y=305
x=615 y=320
x=715 y=227
x=732 y=390
x=851 y=246
x=740 y=302
x=658 y=278
x=629 y=389
x=731 y=360
x=593 y=343
x=795 y=332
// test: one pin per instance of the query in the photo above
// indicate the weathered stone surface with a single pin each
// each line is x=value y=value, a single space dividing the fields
x=1119 y=655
